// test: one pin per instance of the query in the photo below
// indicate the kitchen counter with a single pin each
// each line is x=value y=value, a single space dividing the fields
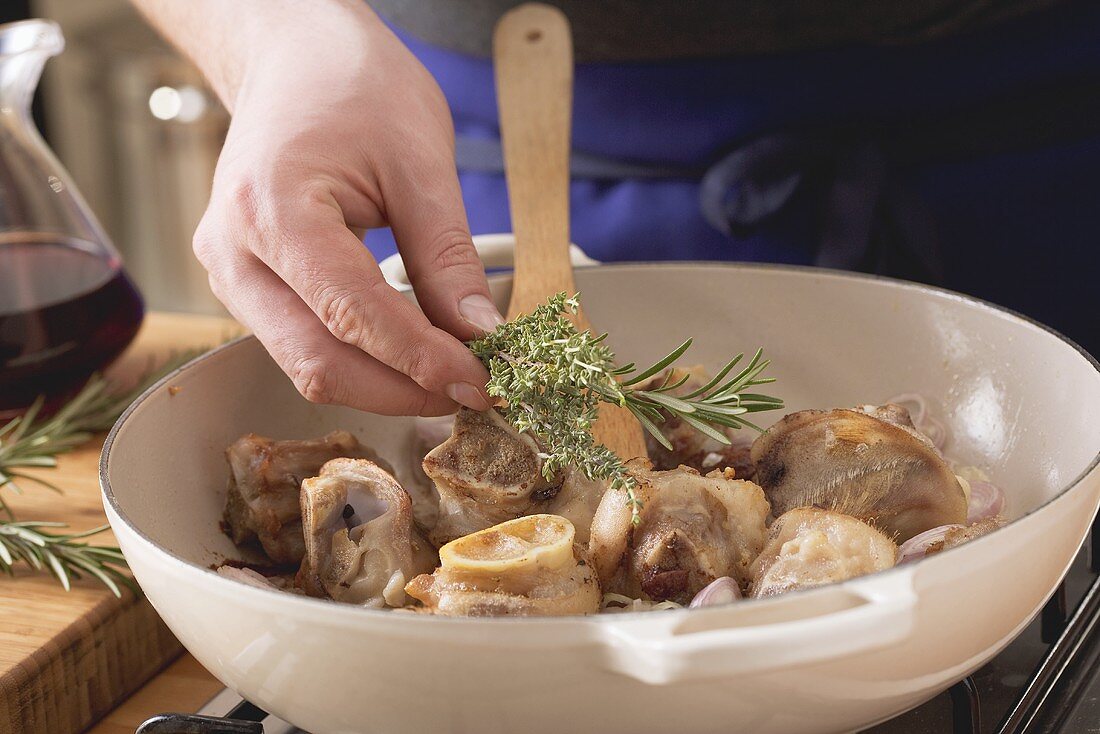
x=183 y=686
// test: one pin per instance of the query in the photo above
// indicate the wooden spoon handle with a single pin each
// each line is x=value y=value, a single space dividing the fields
x=618 y=429
x=533 y=60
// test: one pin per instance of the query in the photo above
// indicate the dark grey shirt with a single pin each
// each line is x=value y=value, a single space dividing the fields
x=636 y=30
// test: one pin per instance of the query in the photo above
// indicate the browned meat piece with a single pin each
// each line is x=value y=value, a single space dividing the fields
x=264 y=483
x=487 y=473
x=524 y=567
x=866 y=463
x=692 y=530
x=361 y=544
x=811 y=547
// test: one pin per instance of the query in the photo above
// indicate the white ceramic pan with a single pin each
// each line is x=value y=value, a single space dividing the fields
x=1018 y=399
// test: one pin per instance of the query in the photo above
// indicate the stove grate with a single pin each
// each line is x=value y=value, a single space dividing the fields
x=1052 y=690
x=966 y=708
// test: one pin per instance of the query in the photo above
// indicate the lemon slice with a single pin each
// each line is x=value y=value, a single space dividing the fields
x=522 y=544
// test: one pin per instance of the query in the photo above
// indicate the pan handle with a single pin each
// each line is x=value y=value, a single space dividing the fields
x=765 y=635
x=495 y=251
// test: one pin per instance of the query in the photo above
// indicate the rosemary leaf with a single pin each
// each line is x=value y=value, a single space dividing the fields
x=661 y=364
x=651 y=427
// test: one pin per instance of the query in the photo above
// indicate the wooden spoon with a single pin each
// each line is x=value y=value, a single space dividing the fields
x=533 y=59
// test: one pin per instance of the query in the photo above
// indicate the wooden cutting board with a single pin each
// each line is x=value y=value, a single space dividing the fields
x=68 y=658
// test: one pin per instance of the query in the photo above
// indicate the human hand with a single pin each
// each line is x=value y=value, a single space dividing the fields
x=336 y=128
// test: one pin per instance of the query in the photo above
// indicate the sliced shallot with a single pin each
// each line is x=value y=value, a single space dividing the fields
x=918 y=546
x=922 y=417
x=722 y=590
x=986 y=500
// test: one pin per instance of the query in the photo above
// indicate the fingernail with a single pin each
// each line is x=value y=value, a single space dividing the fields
x=466 y=394
x=480 y=313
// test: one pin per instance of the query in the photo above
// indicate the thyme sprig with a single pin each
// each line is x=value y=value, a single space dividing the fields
x=551 y=377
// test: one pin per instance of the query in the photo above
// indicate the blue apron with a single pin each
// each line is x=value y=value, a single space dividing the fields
x=973 y=162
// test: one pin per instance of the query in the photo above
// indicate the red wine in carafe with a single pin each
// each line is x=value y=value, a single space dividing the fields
x=64 y=313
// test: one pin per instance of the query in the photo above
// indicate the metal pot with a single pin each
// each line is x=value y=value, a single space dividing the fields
x=1019 y=400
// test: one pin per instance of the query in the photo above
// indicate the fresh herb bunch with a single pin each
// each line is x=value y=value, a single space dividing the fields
x=33 y=441
x=551 y=378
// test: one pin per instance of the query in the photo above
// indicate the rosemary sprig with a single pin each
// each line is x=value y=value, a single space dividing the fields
x=62 y=555
x=33 y=441
x=551 y=378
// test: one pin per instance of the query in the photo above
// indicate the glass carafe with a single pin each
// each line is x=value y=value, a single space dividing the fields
x=66 y=306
